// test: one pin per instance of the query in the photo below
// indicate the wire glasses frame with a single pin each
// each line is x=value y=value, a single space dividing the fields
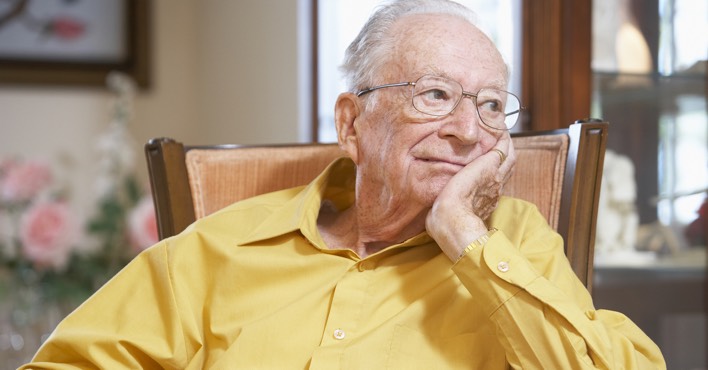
x=439 y=96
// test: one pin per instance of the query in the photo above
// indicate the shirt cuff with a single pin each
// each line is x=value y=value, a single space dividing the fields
x=494 y=272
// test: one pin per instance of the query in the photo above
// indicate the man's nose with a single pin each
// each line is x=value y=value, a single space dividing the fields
x=464 y=122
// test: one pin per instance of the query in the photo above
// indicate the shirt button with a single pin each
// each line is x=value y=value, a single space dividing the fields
x=503 y=266
x=339 y=334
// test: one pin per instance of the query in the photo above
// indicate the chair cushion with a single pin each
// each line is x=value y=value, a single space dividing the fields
x=539 y=171
x=220 y=177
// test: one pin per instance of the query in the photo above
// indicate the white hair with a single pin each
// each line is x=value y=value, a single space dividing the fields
x=368 y=52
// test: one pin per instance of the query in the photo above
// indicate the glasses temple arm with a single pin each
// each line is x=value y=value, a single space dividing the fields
x=514 y=112
x=370 y=89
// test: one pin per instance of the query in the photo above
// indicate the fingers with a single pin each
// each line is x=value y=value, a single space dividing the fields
x=477 y=187
x=469 y=198
x=504 y=150
x=502 y=156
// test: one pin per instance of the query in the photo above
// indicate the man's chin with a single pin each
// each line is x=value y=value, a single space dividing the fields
x=429 y=189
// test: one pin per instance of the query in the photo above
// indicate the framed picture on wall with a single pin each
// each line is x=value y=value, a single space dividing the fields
x=73 y=42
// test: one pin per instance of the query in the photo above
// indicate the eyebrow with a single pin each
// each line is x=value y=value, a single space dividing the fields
x=499 y=84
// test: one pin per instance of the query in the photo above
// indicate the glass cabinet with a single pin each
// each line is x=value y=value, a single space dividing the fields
x=649 y=82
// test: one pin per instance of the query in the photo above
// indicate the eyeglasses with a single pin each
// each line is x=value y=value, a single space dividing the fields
x=439 y=96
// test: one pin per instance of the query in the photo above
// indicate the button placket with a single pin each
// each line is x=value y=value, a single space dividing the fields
x=349 y=295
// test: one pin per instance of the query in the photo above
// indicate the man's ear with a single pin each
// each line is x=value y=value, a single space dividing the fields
x=346 y=111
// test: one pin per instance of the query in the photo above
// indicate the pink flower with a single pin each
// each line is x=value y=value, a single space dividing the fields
x=142 y=225
x=23 y=181
x=6 y=164
x=47 y=232
x=66 y=28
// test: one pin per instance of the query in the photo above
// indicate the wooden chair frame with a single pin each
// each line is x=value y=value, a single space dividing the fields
x=577 y=215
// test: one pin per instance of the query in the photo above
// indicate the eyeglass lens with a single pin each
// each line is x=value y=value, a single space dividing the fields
x=439 y=96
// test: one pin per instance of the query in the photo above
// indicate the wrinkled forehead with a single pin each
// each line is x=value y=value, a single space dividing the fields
x=448 y=46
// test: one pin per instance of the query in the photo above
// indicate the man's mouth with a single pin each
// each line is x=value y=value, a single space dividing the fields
x=443 y=160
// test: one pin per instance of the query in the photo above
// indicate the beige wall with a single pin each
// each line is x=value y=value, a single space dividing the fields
x=248 y=86
x=222 y=71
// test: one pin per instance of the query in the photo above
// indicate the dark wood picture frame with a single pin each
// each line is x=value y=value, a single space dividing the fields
x=136 y=63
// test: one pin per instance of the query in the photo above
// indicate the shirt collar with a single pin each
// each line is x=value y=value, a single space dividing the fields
x=335 y=183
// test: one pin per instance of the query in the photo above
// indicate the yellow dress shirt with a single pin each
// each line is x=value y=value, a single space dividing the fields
x=255 y=287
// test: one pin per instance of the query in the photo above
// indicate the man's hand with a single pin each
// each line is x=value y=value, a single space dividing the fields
x=458 y=215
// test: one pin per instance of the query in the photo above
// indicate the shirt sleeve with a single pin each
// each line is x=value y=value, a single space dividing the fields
x=130 y=323
x=543 y=313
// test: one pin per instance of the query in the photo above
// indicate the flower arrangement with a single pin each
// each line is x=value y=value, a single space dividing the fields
x=50 y=261
x=49 y=257
x=43 y=243
x=39 y=231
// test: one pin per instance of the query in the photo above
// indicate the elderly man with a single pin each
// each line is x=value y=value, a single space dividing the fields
x=402 y=256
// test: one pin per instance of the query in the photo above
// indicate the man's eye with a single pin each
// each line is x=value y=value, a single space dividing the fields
x=490 y=105
x=435 y=94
